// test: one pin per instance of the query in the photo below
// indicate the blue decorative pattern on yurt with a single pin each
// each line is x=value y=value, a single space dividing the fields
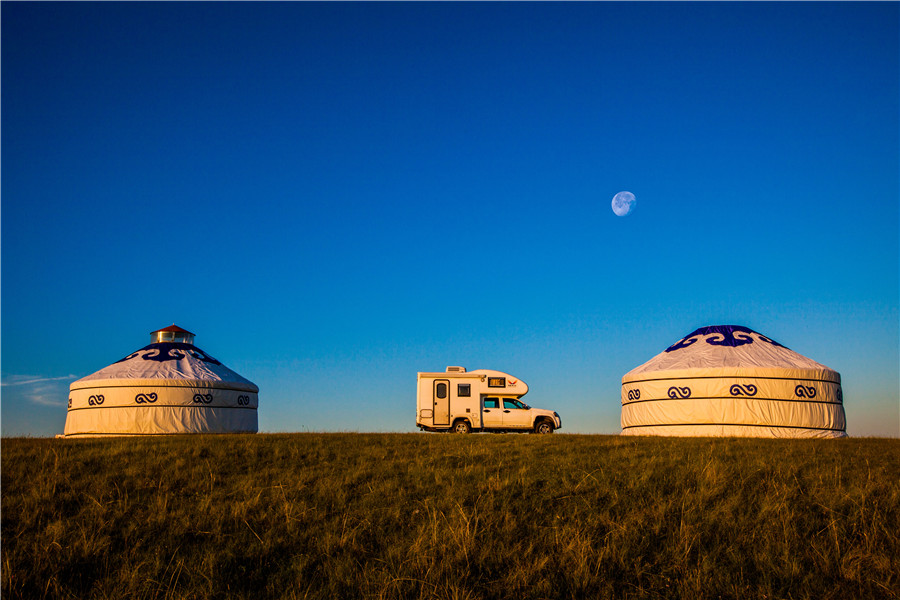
x=722 y=335
x=679 y=392
x=805 y=391
x=743 y=390
x=164 y=351
x=145 y=398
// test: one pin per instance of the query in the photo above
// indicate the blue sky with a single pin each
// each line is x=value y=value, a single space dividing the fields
x=336 y=196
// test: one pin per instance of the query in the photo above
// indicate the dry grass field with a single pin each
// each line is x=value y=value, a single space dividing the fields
x=448 y=516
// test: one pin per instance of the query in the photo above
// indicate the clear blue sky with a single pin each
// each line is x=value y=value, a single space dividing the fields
x=336 y=196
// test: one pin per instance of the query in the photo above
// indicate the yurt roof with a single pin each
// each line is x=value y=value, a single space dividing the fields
x=731 y=350
x=174 y=329
x=166 y=364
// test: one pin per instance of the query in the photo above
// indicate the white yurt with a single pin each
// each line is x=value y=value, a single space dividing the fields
x=168 y=387
x=728 y=380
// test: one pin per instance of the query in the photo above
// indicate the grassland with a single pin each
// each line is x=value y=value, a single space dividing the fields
x=449 y=516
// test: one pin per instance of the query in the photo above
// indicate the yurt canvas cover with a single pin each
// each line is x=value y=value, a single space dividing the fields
x=729 y=380
x=167 y=387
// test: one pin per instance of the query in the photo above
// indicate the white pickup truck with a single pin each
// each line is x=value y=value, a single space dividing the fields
x=482 y=400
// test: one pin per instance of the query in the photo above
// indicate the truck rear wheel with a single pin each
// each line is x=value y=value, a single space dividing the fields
x=461 y=427
x=543 y=427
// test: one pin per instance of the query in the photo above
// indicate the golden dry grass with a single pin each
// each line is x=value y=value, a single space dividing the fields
x=446 y=516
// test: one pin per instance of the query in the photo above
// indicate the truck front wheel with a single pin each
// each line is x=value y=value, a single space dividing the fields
x=461 y=427
x=544 y=427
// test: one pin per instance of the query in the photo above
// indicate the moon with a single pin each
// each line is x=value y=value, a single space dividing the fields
x=623 y=203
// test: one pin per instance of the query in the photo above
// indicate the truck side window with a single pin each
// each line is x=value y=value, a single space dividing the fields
x=441 y=390
x=464 y=390
x=491 y=403
x=510 y=403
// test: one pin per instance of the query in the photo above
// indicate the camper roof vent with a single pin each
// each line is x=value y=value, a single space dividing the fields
x=456 y=369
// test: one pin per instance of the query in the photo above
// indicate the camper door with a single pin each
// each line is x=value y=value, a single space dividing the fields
x=441 y=396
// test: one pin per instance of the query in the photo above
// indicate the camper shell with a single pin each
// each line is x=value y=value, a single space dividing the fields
x=482 y=400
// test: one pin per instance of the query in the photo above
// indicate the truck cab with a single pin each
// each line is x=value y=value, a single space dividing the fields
x=482 y=400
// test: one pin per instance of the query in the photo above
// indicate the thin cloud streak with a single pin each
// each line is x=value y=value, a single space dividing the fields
x=48 y=400
x=34 y=389
x=32 y=380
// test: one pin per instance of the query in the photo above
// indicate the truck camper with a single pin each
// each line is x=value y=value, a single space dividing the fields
x=480 y=400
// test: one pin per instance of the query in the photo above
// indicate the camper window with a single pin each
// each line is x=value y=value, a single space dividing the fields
x=464 y=390
x=492 y=403
x=496 y=381
x=441 y=390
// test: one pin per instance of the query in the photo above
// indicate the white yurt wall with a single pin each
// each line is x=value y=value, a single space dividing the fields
x=728 y=380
